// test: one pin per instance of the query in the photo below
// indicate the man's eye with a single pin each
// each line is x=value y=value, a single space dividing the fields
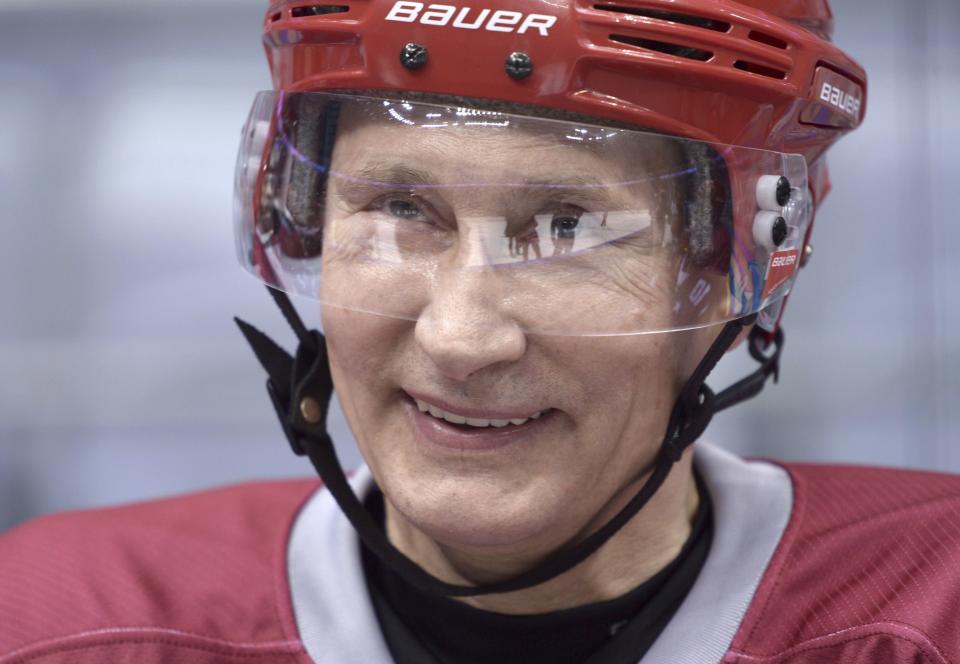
x=404 y=209
x=401 y=207
x=564 y=222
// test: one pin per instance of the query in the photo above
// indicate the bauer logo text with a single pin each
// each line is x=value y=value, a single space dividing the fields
x=467 y=18
x=837 y=98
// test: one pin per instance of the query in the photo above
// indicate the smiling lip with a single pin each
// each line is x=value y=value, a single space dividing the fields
x=475 y=412
x=441 y=434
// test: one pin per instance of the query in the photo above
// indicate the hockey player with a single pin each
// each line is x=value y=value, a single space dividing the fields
x=532 y=230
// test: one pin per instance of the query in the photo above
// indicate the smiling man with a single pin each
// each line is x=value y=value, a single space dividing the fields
x=500 y=433
x=531 y=231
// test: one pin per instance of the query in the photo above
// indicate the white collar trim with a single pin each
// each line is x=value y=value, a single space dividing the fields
x=752 y=502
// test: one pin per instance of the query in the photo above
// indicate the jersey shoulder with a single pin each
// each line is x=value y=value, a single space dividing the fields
x=203 y=573
x=868 y=570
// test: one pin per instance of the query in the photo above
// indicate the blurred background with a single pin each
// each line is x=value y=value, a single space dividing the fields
x=123 y=377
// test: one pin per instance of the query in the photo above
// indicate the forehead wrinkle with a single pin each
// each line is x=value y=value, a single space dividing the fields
x=578 y=181
x=390 y=174
x=628 y=147
x=458 y=141
x=437 y=159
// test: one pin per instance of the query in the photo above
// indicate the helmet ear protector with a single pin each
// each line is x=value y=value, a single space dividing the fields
x=746 y=95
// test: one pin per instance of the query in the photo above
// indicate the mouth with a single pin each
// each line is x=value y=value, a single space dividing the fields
x=471 y=429
x=473 y=422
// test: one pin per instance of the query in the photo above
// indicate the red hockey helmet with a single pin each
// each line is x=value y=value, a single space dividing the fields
x=714 y=113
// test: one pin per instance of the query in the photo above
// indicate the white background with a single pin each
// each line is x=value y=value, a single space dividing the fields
x=122 y=375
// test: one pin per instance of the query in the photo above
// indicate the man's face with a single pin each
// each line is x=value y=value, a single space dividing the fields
x=482 y=247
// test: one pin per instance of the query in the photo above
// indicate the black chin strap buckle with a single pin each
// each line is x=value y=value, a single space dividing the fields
x=759 y=344
x=282 y=408
x=760 y=341
x=697 y=403
x=694 y=417
x=300 y=386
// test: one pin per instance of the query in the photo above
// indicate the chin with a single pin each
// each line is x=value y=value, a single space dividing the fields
x=476 y=514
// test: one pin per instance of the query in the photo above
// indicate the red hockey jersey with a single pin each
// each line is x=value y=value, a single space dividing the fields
x=809 y=564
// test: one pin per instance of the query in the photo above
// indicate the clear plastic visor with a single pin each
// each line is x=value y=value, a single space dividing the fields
x=396 y=208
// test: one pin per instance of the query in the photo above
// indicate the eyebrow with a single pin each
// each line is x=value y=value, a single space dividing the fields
x=378 y=176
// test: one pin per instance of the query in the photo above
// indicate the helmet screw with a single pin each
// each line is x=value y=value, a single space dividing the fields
x=783 y=191
x=807 y=255
x=773 y=192
x=413 y=56
x=310 y=410
x=779 y=231
x=770 y=230
x=519 y=65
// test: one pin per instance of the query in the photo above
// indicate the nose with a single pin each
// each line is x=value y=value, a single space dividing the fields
x=465 y=327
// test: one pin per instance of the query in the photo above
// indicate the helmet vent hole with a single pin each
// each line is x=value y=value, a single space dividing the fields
x=276 y=17
x=318 y=10
x=663 y=47
x=761 y=70
x=685 y=19
x=769 y=40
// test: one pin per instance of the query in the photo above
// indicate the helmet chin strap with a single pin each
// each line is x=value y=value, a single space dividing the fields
x=300 y=388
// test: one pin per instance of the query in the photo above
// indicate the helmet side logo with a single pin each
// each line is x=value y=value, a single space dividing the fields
x=837 y=101
x=782 y=266
x=466 y=18
x=838 y=98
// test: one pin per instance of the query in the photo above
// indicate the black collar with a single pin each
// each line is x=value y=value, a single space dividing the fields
x=421 y=628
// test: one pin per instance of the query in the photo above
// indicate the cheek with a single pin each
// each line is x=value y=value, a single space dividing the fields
x=628 y=386
x=361 y=348
x=352 y=345
x=638 y=289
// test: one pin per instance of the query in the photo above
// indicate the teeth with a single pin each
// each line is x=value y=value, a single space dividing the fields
x=453 y=418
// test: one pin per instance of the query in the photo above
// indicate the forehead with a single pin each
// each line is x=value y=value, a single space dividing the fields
x=488 y=146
